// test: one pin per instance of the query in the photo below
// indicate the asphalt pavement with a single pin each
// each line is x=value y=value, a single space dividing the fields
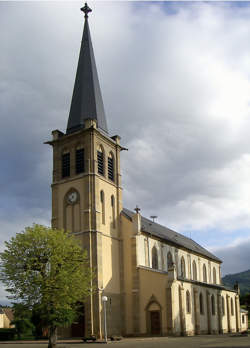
x=207 y=341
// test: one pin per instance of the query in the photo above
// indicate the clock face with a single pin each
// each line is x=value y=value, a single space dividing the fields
x=72 y=197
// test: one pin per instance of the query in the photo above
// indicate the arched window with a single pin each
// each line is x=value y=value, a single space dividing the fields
x=232 y=307
x=214 y=276
x=79 y=160
x=154 y=258
x=204 y=273
x=102 y=199
x=188 y=306
x=212 y=305
x=170 y=260
x=201 y=304
x=194 y=271
x=100 y=160
x=111 y=175
x=183 y=268
x=65 y=164
x=113 y=210
x=223 y=305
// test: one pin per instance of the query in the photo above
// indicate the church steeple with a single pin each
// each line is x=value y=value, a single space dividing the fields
x=87 y=100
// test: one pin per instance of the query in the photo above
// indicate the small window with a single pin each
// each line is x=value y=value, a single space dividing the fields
x=111 y=167
x=214 y=276
x=194 y=271
x=213 y=305
x=102 y=199
x=154 y=258
x=66 y=165
x=100 y=161
x=204 y=274
x=201 y=304
x=183 y=268
x=223 y=305
x=232 y=307
x=243 y=319
x=188 y=302
x=113 y=210
x=79 y=161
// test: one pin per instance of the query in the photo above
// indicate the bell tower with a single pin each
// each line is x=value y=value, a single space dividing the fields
x=86 y=189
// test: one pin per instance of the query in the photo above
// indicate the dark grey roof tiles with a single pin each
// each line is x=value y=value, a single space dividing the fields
x=171 y=236
x=87 y=100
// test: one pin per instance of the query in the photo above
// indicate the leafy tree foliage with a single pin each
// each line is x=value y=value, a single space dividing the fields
x=46 y=270
x=22 y=319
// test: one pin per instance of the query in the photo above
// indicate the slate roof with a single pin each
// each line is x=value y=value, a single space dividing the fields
x=87 y=100
x=170 y=236
x=243 y=310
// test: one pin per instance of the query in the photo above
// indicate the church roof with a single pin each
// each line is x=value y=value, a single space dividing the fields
x=170 y=236
x=87 y=100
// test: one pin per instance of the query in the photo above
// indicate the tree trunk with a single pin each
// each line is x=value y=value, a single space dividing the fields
x=52 y=337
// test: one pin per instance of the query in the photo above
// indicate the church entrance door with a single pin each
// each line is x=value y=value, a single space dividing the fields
x=78 y=327
x=155 y=320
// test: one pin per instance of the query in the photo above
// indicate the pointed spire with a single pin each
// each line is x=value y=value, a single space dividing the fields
x=87 y=99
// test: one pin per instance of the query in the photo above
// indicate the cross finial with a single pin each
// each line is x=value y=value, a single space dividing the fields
x=137 y=209
x=86 y=10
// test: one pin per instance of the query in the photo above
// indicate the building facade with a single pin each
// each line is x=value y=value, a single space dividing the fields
x=157 y=281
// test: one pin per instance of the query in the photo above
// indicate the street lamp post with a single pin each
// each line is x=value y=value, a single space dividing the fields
x=104 y=300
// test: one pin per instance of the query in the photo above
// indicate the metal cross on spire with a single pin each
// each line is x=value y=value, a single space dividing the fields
x=137 y=209
x=86 y=10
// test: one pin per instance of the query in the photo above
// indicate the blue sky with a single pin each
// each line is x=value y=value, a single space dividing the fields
x=175 y=79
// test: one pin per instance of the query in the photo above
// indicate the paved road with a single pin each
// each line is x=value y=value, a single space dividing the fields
x=159 y=342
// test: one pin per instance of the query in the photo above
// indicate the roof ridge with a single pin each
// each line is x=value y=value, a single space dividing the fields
x=177 y=238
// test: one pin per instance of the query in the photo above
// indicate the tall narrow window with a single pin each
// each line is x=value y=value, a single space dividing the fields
x=188 y=302
x=201 y=304
x=213 y=305
x=170 y=260
x=100 y=161
x=66 y=165
x=183 y=268
x=113 y=210
x=214 y=276
x=194 y=271
x=223 y=305
x=232 y=307
x=111 y=167
x=102 y=198
x=79 y=161
x=154 y=258
x=146 y=252
x=204 y=273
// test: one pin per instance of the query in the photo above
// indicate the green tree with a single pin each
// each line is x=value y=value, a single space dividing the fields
x=46 y=269
x=22 y=319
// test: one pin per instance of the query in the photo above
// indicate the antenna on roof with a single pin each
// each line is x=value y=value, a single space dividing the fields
x=153 y=217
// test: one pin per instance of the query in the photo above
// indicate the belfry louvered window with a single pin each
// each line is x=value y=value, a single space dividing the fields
x=79 y=161
x=111 y=167
x=100 y=161
x=66 y=165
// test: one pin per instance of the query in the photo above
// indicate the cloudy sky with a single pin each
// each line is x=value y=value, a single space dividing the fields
x=175 y=80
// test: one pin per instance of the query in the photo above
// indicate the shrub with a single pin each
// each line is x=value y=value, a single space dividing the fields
x=7 y=334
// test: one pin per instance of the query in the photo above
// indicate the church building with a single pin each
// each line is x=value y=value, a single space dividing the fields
x=157 y=281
